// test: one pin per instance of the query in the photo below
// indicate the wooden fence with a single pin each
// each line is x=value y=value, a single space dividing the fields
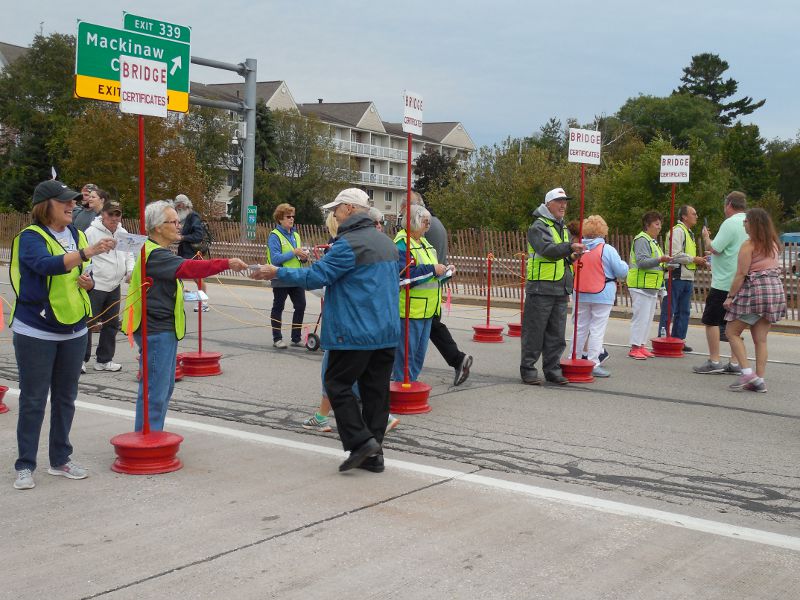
x=468 y=250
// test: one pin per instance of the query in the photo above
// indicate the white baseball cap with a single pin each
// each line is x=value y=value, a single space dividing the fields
x=556 y=194
x=352 y=196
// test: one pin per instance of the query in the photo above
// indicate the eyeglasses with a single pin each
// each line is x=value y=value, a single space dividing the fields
x=289 y=217
x=176 y=222
x=115 y=213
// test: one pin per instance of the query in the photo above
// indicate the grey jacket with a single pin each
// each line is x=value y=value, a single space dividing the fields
x=541 y=238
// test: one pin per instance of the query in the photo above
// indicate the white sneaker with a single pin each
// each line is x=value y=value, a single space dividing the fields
x=69 y=470
x=109 y=366
x=83 y=367
x=205 y=307
x=24 y=480
x=280 y=344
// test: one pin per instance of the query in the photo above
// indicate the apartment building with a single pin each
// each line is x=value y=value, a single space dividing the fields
x=377 y=150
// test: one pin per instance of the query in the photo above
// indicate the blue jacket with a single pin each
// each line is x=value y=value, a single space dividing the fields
x=36 y=264
x=614 y=268
x=361 y=309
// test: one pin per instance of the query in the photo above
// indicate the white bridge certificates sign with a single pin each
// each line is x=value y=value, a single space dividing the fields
x=584 y=146
x=675 y=168
x=412 y=113
x=143 y=86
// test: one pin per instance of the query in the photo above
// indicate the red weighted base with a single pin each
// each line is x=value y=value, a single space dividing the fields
x=411 y=399
x=3 y=407
x=667 y=347
x=140 y=454
x=577 y=370
x=514 y=330
x=196 y=364
x=490 y=334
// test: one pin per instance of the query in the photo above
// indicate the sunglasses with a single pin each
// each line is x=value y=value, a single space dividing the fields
x=114 y=213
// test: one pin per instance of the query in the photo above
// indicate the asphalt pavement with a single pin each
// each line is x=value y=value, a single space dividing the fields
x=654 y=483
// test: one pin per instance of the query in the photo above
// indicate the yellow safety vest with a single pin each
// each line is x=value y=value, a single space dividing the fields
x=69 y=302
x=133 y=302
x=286 y=246
x=649 y=279
x=426 y=296
x=690 y=247
x=542 y=268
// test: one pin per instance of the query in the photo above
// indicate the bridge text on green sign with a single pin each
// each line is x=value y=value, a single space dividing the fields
x=169 y=31
x=98 y=50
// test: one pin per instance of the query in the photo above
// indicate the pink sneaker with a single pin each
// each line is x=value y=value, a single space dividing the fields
x=636 y=353
x=742 y=381
x=646 y=352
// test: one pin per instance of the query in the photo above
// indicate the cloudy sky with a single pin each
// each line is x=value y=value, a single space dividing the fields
x=502 y=68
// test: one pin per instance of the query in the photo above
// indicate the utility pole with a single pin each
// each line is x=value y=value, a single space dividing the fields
x=247 y=69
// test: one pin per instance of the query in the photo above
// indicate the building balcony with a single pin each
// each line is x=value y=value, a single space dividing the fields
x=361 y=149
x=392 y=181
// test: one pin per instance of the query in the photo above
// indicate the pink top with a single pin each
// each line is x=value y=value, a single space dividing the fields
x=759 y=262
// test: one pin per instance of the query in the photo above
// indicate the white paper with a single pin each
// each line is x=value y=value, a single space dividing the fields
x=129 y=242
x=194 y=296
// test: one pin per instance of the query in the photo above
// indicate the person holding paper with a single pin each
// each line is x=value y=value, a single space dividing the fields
x=109 y=270
x=359 y=329
x=47 y=271
x=166 y=321
x=425 y=300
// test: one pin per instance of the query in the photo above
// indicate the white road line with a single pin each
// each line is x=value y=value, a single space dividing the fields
x=606 y=506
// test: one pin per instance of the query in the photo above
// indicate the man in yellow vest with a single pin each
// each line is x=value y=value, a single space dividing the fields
x=547 y=290
x=684 y=253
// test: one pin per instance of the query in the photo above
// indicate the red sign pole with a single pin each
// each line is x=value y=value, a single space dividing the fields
x=143 y=266
x=199 y=318
x=488 y=287
x=671 y=273
x=578 y=272
x=406 y=382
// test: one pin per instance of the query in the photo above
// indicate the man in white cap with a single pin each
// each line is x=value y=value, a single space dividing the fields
x=547 y=290
x=361 y=326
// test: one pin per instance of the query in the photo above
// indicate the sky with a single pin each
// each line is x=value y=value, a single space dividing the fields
x=501 y=68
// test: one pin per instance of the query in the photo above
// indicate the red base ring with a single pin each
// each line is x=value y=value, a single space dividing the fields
x=577 y=370
x=3 y=407
x=410 y=400
x=514 y=330
x=667 y=347
x=178 y=369
x=140 y=454
x=196 y=364
x=490 y=334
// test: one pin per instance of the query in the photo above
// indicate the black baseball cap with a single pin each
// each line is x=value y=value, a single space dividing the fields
x=56 y=190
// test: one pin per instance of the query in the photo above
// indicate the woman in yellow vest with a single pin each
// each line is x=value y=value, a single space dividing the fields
x=166 y=321
x=425 y=297
x=284 y=250
x=48 y=259
x=645 y=282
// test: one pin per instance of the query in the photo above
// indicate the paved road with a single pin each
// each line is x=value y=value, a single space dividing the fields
x=653 y=436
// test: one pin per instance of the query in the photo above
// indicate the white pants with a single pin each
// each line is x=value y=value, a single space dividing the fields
x=592 y=323
x=644 y=309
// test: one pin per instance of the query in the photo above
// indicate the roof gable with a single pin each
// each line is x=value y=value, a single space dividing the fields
x=362 y=115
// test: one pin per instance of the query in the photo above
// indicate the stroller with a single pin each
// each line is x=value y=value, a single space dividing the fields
x=312 y=339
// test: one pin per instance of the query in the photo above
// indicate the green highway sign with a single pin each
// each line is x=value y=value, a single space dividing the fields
x=251 y=222
x=162 y=29
x=97 y=53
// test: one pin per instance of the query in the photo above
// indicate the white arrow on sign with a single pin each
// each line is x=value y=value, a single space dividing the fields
x=177 y=63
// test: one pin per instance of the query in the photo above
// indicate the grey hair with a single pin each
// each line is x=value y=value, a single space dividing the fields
x=418 y=214
x=375 y=214
x=183 y=199
x=416 y=200
x=154 y=214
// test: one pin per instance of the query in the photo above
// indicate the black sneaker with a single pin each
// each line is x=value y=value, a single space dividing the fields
x=462 y=372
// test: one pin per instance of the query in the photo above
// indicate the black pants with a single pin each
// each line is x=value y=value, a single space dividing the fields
x=372 y=369
x=108 y=334
x=544 y=322
x=445 y=344
x=298 y=297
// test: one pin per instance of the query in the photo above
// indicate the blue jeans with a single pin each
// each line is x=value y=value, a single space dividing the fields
x=46 y=366
x=681 y=308
x=162 y=349
x=419 y=332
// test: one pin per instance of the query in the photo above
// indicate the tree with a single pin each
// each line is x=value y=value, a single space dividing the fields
x=208 y=133
x=703 y=77
x=784 y=163
x=37 y=104
x=434 y=170
x=306 y=171
x=743 y=152
x=678 y=118
x=102 y=146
